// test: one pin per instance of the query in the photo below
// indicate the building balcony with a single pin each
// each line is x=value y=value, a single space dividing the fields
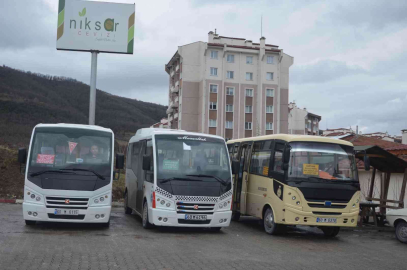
x=177 y=68
x=174 y=104
x=172 y=73
x=176 y=83
x=176 y=116
x=170 y=109
x=175 y=89
x=170 y=118
x=176 y=99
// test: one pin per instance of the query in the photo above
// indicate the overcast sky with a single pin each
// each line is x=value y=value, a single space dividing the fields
x=350 y=57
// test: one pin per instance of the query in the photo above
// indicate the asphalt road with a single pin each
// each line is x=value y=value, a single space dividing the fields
x=244 y=245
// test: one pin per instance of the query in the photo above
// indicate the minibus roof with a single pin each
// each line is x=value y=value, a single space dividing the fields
x=293 y=138
x=145 y=133
x=63 y=125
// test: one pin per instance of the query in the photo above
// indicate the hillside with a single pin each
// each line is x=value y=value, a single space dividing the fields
x=27 y=99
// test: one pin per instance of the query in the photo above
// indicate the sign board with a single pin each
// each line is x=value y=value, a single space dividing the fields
x=310 y=169
x=95 y=26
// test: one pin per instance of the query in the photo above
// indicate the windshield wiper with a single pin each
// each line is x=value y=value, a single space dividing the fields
x=48 y=171
x=176 y=178
x=86 y=170
x=210 y=176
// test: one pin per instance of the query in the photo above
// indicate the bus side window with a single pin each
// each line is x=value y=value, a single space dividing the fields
x=149 y=152
x=261 y=154
x=128 y=157
x=278 y=158
x=236 y=151
x=135 y=156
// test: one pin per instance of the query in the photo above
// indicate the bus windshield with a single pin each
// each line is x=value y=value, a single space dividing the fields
x=321 y=161
x=57 y=149
x=180 y=156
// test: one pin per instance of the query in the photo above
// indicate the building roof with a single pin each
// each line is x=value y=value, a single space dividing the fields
x=241 y=47
x=369 y=141
x=381 y=159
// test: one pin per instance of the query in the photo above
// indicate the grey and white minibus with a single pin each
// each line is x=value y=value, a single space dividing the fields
x=68 y=174
x=178 y=178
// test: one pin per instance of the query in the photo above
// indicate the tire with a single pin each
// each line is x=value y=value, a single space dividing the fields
x=106 y=225
x=270 y=227
x=330 y=231
x=215 y=229
x=127 y=210
x=146 y=224
x=401 y=231
x=30 y=222
x=235 y=216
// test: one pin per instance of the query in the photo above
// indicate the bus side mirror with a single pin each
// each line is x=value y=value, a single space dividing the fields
x=22 y=155
x=235 y=167
x=366 y=161
x=146 y=163
x=119 y=161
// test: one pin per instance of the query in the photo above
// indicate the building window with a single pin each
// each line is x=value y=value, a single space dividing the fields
x=230 y=74
x=213 y=88
x=249 y=59
x=230 y=91
x=249 y=92
x=212 y=123
x=248 y=109
x=229 y=107
x=231 y=58
x=270 y=59
x=214 y=54
x=269 y=126
x=248 y=125
x=212 y=106
x=249 y=76
x=269 y=92
x=270 y=76
x=214 y=71
x=229 y=124
x=269 y=109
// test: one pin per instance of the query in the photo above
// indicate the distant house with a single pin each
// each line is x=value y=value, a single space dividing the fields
x=162 y=124
x=337 y=132
x=300 y=121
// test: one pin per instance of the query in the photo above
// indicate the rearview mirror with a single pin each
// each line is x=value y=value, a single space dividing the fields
x=22 y=155
x=366 y=161
x=146 y=163
x=119 y=161
x=235 y=167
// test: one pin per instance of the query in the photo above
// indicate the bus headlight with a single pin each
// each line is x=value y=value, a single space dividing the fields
x=294 y=198
x=163 y=203
x=33 y=196
x=224 y=205
x=100 y=200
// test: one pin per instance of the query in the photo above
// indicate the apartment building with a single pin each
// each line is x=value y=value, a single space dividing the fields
x=229 y=87
x=300 y=121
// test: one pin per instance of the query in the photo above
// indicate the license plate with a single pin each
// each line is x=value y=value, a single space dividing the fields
x=326 y=220
x=196 y=217
x=70 y=212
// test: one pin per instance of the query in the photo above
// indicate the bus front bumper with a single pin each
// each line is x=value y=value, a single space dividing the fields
x=297 y=217
x=217 y=219
x=38 y=212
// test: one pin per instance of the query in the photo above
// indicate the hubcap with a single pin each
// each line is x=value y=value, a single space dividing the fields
x=403 y=232
x=269 y=220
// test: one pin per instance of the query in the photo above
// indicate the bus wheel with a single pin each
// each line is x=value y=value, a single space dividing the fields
x=30 y=222
x=127 y=209
x=268 y=221
x=235 y=216
x=146 y=223
x=330 y=231
x=401 y=231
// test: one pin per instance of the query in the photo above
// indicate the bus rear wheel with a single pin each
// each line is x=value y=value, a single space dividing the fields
x=30 y=222
x=235 y=216
x=145 y=222
x=127 y=209
x=330 y=231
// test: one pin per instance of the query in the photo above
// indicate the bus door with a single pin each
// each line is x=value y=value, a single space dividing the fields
x=140 y=178
x=243 y=177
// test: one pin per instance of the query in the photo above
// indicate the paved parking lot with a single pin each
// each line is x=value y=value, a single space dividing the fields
x=244 y=245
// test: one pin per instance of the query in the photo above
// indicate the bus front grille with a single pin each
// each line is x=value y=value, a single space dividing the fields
x=195 y=208
x=327 y=213
x=186 y=221
x=78 y=217
x=318 y=205
x=75 y=203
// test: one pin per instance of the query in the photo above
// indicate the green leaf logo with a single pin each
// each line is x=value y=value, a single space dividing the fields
x=83 y=13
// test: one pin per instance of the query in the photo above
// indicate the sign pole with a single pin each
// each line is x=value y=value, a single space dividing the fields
x=92 y=99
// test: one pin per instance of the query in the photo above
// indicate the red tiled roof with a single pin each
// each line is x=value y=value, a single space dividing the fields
x=365 y=141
